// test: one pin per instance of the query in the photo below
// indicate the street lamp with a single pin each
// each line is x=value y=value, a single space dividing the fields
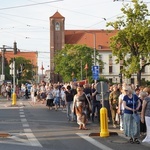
x=94 y=37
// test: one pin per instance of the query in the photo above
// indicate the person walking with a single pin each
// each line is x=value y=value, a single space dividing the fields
x=79 y=106
x=121 y=107
x=8 y=91
x=131 y=103
x=88 y=93
x=56 y=96
x=145 y=114
x=50 y=97
x=62 y=97
x=96 y=103
x=113 y=101
x=69 y=100
x=43 y=93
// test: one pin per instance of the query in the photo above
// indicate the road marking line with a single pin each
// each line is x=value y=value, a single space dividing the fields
x=94 y=142
x=32 y=139
x=19 y=139
x=28 y=132
x=23 y=120
x=23 y=116
x=7 y=142
x=25 y=125
x=21 y=113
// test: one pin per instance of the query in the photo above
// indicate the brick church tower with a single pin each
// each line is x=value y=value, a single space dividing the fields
x=57 y=41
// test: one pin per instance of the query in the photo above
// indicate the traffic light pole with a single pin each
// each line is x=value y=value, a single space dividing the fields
x=14 y=84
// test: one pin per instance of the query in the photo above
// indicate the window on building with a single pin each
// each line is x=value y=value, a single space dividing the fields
x=110 y=69
x=100 y=57
x=110 y=59
x=143 y=70
x=110 y=80
x=121 y=67
x=132 y=80
x=57 y=26
x=121 y=62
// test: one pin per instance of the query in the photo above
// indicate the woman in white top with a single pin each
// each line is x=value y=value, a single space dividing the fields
x=121 y=107
x=63 y=97
x=43 y=93
x=50 y=97
x=56 y=96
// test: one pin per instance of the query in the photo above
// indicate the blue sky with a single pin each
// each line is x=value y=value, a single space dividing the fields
x=29 y=25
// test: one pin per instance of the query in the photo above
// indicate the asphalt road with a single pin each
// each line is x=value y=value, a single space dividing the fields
x=34 y=127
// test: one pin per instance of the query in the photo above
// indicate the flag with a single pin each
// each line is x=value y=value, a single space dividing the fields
x=86 y=66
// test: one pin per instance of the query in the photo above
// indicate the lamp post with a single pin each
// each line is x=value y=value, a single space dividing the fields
x=14 y=84
x=81 y=71
x=94 y=38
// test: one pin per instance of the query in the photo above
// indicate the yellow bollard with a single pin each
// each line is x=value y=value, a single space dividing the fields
x=14 y=99
x=104 y=122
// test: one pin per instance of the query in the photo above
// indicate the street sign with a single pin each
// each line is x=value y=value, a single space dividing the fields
x=102 y=87
x=95 y=72
x=2 y=77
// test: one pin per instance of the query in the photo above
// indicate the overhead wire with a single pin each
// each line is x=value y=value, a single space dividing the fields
x=27 y=5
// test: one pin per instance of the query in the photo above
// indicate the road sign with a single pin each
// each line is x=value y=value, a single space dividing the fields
x=95 y=72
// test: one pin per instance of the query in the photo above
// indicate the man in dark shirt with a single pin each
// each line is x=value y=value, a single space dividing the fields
x=69 y=100
x=96 y=104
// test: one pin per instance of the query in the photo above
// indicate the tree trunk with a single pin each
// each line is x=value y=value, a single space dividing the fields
x=139 y=78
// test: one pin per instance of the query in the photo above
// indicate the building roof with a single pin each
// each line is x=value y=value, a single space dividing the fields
x=99 y=39
x=57 y=15
x=32 y=56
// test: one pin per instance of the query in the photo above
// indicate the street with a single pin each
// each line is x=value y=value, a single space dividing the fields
x=35 y=127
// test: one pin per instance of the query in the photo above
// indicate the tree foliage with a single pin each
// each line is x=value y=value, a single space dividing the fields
x=27 y=72
x=70 y=62
x=132 y=42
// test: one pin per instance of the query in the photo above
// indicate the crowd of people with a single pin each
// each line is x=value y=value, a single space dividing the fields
x=127 y=105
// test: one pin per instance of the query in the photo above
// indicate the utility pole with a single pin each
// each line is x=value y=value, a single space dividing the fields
x=2 y=75
x=14 y=84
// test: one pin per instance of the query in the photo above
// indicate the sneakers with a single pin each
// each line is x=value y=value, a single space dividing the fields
x=121 y=129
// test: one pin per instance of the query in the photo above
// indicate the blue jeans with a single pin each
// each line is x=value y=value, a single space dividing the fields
x=57 y=100
x=69 y=108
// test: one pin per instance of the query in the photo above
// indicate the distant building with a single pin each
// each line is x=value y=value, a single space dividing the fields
x=10 y=53
x=98 y=39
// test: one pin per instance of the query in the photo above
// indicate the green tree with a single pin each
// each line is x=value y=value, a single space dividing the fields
x=132 y=42
x=70 y=61
x=25 y=68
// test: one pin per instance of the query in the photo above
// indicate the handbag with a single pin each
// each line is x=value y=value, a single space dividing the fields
x=135 y=115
